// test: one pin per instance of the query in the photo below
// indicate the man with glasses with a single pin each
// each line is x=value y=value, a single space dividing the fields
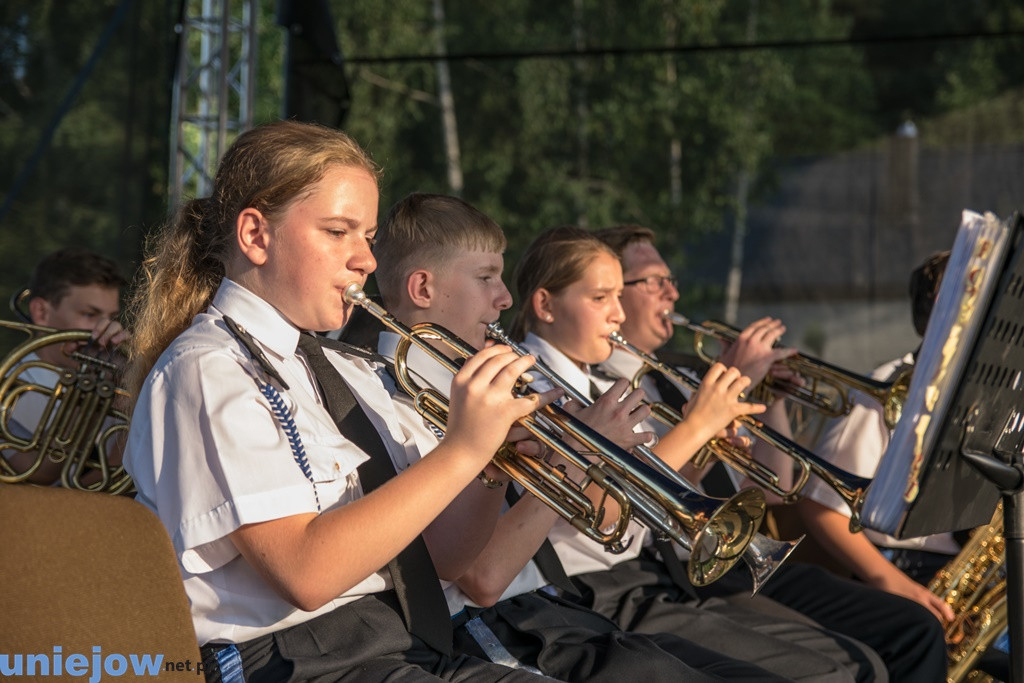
x=906 y=636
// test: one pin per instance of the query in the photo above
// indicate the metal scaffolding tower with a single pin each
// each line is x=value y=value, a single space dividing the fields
x=213 y=90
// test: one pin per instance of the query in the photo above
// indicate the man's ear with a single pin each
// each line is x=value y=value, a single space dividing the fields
x=419 y=287
x=252 y=230
x=39 y=310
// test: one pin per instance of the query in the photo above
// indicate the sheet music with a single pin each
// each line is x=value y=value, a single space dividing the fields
x=959 y=312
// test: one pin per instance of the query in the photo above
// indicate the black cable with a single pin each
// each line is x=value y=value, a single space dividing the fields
x=684 y=49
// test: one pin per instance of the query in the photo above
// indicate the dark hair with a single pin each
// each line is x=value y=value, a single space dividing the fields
x=924 y=287
x=618 y=237
x=554 y=260
x=63 y=269
x=425 y=230
x=267 y=168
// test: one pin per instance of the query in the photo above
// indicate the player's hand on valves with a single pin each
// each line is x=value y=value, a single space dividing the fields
x=615 y=414
x=754 y=351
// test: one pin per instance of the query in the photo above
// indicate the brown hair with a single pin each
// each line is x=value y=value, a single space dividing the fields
x=924 y=287
x=619 y=237
x=267 y=168
x=553 y=261
x=424 y=230
x=63 y=269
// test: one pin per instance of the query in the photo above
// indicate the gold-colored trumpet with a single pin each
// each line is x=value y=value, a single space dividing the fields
x=827 y=387
x=81 y=423
x=716 y=534
x=851 y=488
x=762 y=555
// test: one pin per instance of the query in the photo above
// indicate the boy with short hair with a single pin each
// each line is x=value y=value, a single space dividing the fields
x=440 y=260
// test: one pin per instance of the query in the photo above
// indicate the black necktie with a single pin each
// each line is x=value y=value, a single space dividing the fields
x=670 y=393
x=546 y=557
x=595 y=393
x=412 y=572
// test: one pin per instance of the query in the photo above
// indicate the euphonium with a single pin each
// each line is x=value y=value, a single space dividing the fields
x=716 y=536
x=827 y=387
x=82 y=423
x=974 y=584
x=762 y=555
x=850 y=488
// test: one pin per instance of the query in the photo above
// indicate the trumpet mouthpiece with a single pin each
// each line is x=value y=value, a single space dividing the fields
x=354 y=293
x=675 y=318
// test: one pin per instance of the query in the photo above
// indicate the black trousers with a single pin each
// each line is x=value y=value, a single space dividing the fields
x=639 y=595
x=362 y=641
x=567 y=642
x=908 y=638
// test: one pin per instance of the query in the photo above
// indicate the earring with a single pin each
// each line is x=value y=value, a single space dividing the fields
x=549 y=318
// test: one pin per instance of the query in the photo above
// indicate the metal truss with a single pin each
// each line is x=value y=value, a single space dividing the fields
x=213 y=90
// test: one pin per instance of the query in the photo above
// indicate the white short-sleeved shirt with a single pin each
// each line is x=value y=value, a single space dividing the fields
x=856 y=443
x=427 y=372
x=208 y=456
x=579 y=554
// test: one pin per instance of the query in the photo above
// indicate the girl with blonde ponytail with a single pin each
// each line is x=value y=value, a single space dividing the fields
x=271 y=458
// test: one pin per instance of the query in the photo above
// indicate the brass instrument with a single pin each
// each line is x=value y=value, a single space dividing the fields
x=716 y=534
x=974 y=584
x=827 y=387
x=83 y=422
x=851 y=488
x=763 y=555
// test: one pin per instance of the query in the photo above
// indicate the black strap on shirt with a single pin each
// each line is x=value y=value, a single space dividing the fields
x=412 y=572
x=546 y=557
x=670 y=393
x=674 y=566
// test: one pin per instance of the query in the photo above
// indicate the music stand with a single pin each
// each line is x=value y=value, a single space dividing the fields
x=978 y=456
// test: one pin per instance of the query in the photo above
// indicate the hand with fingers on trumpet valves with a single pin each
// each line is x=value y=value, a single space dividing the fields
x=717 y=533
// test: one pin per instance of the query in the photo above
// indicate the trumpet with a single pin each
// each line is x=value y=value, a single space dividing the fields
x=715 y=534
x=762 y=555
x=827 y=389
x=851 y=488
x=81 y=414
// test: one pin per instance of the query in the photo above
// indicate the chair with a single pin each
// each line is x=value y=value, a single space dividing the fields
x=80 y=571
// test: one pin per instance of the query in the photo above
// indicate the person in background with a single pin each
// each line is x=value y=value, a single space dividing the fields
x=70 y=289
x=856 y=443
x=910 y=642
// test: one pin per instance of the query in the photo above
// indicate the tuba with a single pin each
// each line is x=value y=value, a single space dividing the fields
x=763 y=555
x=974 y=584
x=828 y=386
x=75 y=415
x=851 y=488
x=716 y=533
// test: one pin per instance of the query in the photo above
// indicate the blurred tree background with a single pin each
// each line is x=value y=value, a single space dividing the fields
x=695 y=117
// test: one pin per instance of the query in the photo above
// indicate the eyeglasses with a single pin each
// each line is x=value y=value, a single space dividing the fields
x=652 y=284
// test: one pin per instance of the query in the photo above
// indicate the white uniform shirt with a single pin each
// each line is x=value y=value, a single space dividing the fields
x=579 y=554
x=856 y=443
x=427 y=372
x=208 y=456
x=28 y=411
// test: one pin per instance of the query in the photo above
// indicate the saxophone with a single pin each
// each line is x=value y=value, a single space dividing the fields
x=974 y=585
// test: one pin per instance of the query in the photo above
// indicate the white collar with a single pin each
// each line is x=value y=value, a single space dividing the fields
x=622 y=364
x=578 y=378
x=258 y=317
